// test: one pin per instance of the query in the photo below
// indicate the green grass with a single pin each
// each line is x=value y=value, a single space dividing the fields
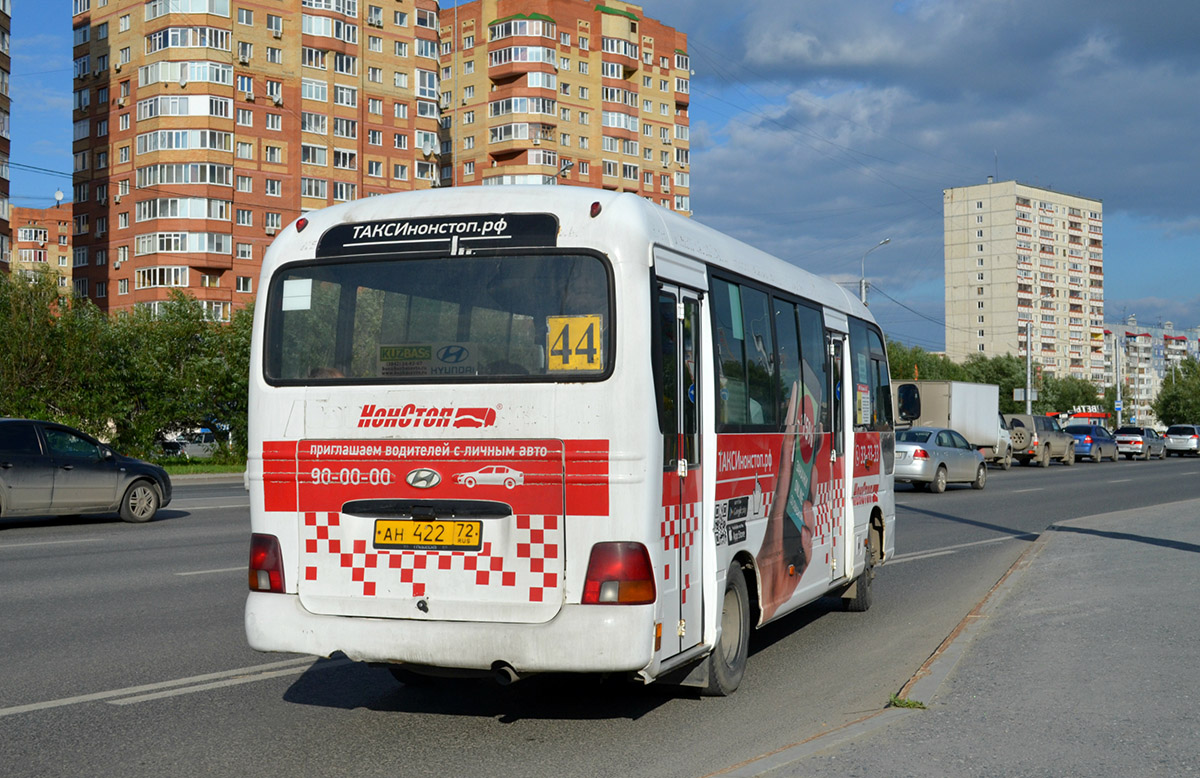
x=903 y=702
x=195 y=467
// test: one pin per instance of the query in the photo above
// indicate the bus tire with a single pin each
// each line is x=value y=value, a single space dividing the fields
x=862 y=598
x=727 y=662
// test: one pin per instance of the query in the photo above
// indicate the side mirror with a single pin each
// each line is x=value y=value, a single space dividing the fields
x=106 y=453
x=908 y=400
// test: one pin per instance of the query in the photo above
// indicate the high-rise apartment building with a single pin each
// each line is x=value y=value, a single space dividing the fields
x=576 y=92
x=1025 y=265
x=203 y=127
x=1142 y=357
x=42 y=242
x=5 y=132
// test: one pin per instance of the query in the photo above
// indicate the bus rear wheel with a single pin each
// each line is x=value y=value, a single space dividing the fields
x=727 y=662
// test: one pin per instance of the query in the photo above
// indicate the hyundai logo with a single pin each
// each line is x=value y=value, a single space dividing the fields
x=452 y=355
x=423 y=478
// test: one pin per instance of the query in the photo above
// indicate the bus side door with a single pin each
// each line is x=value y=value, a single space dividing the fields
x=680 y=582
x=842 y=450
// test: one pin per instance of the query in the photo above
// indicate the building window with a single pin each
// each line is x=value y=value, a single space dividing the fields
x=245 y=284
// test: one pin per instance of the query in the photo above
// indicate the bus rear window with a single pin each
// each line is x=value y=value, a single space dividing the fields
x=526 y=317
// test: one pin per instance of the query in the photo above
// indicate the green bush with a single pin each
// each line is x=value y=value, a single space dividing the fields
x=127 y=379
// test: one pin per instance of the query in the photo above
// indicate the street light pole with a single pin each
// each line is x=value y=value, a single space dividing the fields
x=862 y=281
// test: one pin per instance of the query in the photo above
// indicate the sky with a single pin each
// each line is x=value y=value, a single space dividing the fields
x=821 y=127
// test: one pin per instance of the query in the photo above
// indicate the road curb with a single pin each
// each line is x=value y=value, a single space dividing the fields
x=209 y=478
x=924 y=686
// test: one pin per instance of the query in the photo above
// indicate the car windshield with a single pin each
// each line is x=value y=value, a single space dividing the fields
x=913 y=436
x=1130 y=431
x=1179 y=429
x=1078 y=429
x=465 y=318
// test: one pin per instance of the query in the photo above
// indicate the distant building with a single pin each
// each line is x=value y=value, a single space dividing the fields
x=1147 y=357
x=5 y=134
x=42 y=242
x=1019 y=256
x=567 y=92
x=203 y=127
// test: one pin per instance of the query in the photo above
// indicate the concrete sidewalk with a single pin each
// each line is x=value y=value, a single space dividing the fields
x=1084 y=661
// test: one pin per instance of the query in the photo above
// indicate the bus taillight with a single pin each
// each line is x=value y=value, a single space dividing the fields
x=266 y=564
x=619 y=574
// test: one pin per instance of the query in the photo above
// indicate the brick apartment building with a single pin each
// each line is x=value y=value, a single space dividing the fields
x=42 y=241
x=203 y=127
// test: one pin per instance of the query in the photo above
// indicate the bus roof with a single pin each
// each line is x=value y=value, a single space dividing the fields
x=625 y=222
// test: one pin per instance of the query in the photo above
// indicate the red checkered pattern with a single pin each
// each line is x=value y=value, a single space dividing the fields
x=536 y=550
x=680 y=533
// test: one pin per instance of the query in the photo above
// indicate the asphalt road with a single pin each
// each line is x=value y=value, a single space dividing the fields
x=124 y=653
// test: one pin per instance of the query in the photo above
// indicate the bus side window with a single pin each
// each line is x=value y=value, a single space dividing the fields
x=668 y=414
x=813 y=360
x=881 y=388
x=730 y=348
x=760 y=357
x=860 y=394
x=788 y=353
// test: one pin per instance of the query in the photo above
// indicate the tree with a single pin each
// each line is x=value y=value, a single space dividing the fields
x=227 y=400
x=1007 y=372
x=1178 y=401
x=1063 y=394
x=127 y=379
x=915 y=363
x=30 y=352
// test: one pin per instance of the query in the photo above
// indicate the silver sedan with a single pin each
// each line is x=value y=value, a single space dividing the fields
x=931 y=457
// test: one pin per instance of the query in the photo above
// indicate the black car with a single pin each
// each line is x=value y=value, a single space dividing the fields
x=52 y=469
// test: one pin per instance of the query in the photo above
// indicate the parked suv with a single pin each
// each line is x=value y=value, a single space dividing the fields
x=1039 y=439
x=1183 y=439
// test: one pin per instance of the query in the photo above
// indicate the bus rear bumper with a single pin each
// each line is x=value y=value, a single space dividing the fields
x=581 y=638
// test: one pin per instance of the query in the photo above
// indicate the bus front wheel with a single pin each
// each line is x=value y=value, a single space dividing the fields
x=727 y=662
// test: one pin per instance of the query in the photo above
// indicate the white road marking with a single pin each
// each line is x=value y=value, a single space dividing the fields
x=197 y=682
x=1121 y=481
x=227 y=682
x=917 y=555
x=1023 y=491
x=222 y=570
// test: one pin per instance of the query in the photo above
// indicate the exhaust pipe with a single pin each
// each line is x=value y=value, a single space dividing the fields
x=505 y=674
